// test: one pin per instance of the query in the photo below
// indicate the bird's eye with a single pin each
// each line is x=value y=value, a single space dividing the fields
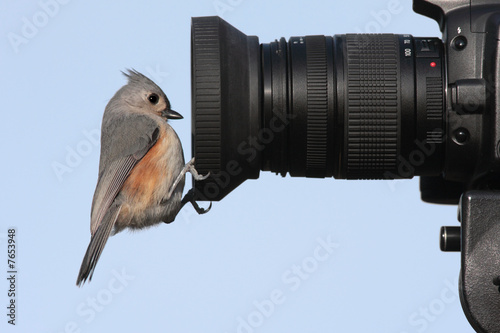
x=153 y=98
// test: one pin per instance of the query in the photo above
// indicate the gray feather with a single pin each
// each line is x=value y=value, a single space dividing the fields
x=96 y=245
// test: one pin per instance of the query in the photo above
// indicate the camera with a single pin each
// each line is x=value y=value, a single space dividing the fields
x=365 y=106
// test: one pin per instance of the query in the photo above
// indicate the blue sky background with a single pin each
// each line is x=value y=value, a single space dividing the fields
x=258 y=261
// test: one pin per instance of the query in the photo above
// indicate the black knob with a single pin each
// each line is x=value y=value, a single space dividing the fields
x=461 y=135
x=450 y=239
x=459 y=43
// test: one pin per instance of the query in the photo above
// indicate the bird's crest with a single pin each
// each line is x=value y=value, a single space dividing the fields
x=135 y=77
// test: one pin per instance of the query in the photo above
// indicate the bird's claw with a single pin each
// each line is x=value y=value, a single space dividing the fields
x=189 y=197
x=194 y=172
x=200 y=210
x=200 y=177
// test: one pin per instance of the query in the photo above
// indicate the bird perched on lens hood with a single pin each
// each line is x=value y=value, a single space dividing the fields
x=141 y=168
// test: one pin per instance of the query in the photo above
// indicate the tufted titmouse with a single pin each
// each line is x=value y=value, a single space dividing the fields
x=141 y=169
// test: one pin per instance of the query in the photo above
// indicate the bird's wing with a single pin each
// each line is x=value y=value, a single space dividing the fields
x=124 y=143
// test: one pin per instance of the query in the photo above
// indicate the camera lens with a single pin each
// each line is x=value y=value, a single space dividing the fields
x=355 y=106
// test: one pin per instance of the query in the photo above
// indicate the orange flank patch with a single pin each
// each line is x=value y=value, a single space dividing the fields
x=145 y=177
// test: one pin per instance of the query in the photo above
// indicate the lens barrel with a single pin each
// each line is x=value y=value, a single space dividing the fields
x=355 y=106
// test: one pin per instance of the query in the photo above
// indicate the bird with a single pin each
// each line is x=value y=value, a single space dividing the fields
x=141 y=167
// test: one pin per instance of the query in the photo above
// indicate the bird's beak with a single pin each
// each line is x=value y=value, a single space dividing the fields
x=171 y=114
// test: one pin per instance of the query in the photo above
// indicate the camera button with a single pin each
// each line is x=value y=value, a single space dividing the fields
x=459 y=43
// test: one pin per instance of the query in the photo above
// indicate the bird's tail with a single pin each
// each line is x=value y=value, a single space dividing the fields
x=97 y=243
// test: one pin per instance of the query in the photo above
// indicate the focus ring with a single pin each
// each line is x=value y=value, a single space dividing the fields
x=317 y=106
x=372 y=110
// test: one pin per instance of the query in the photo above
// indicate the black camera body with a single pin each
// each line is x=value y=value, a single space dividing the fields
x=472 y=143
x=365 y=106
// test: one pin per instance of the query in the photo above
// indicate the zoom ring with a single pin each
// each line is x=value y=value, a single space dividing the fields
x=372 y=110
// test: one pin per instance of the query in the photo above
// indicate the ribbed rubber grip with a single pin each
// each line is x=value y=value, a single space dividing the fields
x=317 y=106
x=434 y=108
x=372 y=110
x=206 y=95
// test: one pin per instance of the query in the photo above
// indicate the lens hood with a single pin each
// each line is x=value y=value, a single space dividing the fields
x=225 y=106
